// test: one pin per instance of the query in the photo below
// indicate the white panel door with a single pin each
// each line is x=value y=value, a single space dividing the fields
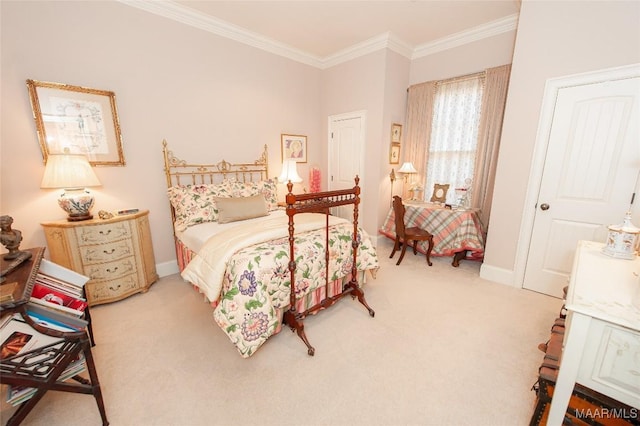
x=590 y=173
x=346 y=139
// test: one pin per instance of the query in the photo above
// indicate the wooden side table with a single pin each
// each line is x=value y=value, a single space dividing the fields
x=41 y=368
x=116 y=254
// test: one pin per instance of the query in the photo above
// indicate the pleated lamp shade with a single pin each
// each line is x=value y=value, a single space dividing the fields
x=73 y=173
x=289 y=172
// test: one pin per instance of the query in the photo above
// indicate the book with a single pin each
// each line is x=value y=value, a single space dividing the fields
x=14 y=343
x=50 y=323
x=56 y=297
x=60 y=286
x=45 y=314
x=57 y=307
x=16 y=395
x=62 y=274
x=24 y=275
x=19 y=338
x=127 y=211
x=7 y=290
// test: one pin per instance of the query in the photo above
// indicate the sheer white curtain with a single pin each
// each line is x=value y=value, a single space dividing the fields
x=454 y=133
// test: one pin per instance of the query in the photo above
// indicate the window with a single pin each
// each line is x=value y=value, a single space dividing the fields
x=462 y=141
x=454 y=133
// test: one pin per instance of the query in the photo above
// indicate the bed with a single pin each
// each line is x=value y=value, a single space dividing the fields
x=234 y=244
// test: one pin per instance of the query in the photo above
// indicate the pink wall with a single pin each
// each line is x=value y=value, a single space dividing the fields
x=201 y=92
x=466 y=59
x=375 y=83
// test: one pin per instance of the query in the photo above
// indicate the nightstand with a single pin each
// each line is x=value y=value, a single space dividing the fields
x=116 y=254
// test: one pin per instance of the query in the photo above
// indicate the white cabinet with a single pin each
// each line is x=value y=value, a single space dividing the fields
x=602 y=337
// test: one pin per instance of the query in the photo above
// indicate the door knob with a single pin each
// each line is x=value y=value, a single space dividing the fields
x=544 y=206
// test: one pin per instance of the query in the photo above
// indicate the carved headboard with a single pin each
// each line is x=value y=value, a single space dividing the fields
x=179 y=172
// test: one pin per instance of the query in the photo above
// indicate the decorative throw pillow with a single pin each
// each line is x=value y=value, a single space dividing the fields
x=241 y=208
x=265 y=187
x=194 y=204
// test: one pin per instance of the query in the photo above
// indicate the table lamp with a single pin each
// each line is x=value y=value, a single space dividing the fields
x=73 y=173
x=289 y=172
x=408 y=169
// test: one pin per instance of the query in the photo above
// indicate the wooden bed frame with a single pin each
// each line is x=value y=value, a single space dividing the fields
x=179 y=172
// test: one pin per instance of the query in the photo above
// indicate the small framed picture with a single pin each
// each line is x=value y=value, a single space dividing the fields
x=396 y=132
x=78 y=120
x=394 y=153
x=294 y=147
x=439 y=193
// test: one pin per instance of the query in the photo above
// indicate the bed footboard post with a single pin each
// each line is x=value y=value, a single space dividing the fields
x=355 y=242
x=291 y=317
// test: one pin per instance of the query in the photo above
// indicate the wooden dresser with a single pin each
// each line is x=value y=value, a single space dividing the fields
x=115 y=253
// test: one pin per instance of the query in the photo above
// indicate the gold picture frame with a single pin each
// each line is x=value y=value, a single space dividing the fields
x=439 y=193
x=396 y=133
x=394 y=153
x=294 y=147
x=77 y=119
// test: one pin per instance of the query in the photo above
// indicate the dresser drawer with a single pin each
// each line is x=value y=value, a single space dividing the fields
x=107 y=291
x=111 y=270
x=611 y=361
x=106 y=252
x=100 y=234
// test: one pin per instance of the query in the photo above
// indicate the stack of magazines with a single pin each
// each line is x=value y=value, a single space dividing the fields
x=57 y=302
x=19 y=341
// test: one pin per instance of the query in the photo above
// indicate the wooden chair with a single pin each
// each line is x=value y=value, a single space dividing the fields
x=404 y=235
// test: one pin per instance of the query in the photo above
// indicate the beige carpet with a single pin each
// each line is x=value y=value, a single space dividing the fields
x=445 y=348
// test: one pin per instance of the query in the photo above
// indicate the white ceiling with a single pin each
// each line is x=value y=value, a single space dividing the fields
x=321 y=30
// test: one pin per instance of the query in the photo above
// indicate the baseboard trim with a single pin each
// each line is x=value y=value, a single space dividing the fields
x=497 y=275
x=167 y=268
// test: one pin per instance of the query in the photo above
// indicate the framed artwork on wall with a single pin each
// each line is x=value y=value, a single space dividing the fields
x=77 y=119
x=294 y=147
x=394 y=153
x=396 y=132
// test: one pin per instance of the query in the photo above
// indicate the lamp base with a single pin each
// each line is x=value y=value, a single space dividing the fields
x=77 y=202
x=79 y=218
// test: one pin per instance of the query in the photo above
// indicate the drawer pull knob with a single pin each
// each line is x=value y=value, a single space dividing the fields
x=108 y=251
x=114 y=269
x=106 y=233
x=114 y=289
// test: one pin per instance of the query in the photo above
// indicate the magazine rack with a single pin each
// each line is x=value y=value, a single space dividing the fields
x=41 y=368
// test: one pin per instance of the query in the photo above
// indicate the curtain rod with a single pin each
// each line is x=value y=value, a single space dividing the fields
x=454 y=79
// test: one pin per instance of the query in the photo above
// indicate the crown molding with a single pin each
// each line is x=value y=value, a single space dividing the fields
x=490 y=29
x=188 y=16
x=388 y=40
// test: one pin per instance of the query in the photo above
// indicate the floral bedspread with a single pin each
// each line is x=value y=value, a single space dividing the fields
x=256 y=285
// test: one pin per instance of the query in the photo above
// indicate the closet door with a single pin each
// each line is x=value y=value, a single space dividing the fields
x=590 y=172
x=346 y=150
